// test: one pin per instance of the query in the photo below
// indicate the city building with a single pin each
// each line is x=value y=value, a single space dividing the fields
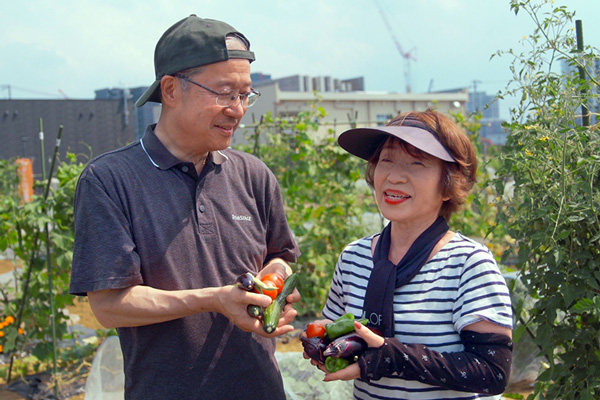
x=345 y=102
x=492 y=130
x=90 y=128
x=111 y=120
x=142 y=116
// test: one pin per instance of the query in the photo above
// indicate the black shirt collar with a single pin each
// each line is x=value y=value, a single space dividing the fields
x=161 y=158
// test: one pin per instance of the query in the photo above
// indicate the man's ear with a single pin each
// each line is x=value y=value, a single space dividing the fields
x=170 y=89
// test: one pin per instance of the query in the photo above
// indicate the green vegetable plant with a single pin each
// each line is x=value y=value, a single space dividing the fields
x=478 y=216
x=324 y=203
x=548 y=184
x=23 y=234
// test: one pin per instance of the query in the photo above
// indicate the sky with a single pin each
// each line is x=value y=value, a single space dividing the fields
x=70 y=48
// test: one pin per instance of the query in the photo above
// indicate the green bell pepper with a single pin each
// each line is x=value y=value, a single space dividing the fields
x=342 y=325
x=335 y=364
x=345 y=316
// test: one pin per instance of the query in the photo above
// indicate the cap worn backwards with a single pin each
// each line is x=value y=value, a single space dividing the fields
x=189 y=43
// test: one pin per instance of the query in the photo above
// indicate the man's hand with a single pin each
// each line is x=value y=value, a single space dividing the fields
x=143 y=305
x=233 y=302
x=281 y=267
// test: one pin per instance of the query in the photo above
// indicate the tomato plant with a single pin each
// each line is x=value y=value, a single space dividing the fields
x=548 y=190
x=39 y=236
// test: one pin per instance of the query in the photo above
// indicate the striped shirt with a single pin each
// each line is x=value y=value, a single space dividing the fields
x=459 y=286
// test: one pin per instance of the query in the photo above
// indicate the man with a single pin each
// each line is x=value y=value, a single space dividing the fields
x=164 y=226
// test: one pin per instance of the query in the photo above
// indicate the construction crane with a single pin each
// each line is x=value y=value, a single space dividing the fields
x=406 y=55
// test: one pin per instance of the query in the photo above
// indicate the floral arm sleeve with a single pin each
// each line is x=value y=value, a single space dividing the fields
x=483 y=367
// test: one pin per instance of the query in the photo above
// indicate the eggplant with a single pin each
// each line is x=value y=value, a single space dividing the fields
x=249 y=282
x=245 y=281
x=314 y=347
x=346 y=346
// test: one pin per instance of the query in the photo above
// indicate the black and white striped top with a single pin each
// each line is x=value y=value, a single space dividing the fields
x=459 y=286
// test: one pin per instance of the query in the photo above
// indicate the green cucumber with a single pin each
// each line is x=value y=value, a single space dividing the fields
x=273 y=311
x=255 y=311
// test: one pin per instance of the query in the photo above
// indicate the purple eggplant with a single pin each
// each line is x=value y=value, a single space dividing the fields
x=314 y=347
x=245 y=281
x=347 y=346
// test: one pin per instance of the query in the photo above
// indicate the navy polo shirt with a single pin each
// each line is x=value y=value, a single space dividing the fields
x=142 y=217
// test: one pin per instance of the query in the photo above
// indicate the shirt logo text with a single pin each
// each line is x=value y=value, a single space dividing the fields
x=241 y=217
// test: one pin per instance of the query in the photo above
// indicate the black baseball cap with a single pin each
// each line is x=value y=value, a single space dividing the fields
x=192 y=42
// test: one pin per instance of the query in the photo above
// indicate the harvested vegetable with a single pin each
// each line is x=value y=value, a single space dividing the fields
x=255 y=311
x=335 y=364
x=245 y=281
x=273 y=311
x=346 y=346
x=314 y=347
x=313 y=329
x=271 y=280
x=342 y=326
x=249 y=283
x=340 y=346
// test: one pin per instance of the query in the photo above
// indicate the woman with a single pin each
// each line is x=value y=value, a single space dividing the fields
x=437 y=296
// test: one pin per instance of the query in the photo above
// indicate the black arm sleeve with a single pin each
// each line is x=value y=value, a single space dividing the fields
x=483 y=367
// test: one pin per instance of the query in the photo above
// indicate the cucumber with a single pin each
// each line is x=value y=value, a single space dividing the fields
x=255 y=311
x=273 y=311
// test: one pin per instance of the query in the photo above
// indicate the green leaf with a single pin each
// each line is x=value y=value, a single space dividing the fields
x=518 y=333
x=586 y=305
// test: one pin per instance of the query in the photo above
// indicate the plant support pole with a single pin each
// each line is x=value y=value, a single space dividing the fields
x=585 y=113
x=42 y=150
x=33 y=258
x=49 y=268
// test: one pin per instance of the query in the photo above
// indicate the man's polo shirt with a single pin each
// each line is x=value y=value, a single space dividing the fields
x=142 y=217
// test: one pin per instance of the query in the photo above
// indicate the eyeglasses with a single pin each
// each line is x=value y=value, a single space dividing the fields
x=228 y=98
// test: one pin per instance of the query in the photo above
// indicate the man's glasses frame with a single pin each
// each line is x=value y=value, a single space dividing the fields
x=227 y=98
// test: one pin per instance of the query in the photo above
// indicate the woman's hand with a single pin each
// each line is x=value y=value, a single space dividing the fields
x=352 y=371
x=318 y=322
x=373 y=340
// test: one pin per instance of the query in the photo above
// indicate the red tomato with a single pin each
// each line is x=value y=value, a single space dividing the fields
x=313 y=329
x=273 y=280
